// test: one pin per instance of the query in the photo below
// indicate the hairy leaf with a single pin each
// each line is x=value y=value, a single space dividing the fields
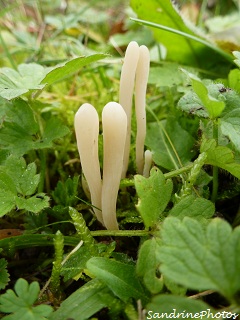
x=201 y=258
x=197 y=208
x=154 y=194
x=213 y=105
x=230 y=127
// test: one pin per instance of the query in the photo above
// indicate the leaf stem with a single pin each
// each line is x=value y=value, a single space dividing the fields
x=215 y=168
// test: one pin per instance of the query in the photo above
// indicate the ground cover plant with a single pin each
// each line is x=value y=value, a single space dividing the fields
x=172 y=249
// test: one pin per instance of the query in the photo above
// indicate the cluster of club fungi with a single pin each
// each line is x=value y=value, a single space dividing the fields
x=116 y=127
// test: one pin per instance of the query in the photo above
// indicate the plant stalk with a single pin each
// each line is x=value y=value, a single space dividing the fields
x=215 y=168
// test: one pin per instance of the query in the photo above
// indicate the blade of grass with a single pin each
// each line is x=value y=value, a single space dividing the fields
x=224 y=54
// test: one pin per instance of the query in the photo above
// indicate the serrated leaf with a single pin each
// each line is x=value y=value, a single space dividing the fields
x=20 y=303
x=173 y=306
x=221 y=157
x=190 y=206
x=21 y=133
x=14 y=83
x=18 y=183
x=230 y=127
x=70 y=67
x=214 y=106
x=154 y=194
x=163 y=153
x=119 y=277
x=201 y=258
x=147 y=265
x=83 y=303
x=4 y=275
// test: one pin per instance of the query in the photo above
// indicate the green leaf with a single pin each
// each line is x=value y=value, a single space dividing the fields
x=83 y=303
x=21 y=133
x=4 y=276
x=67 y=69
x=20 y=304
x=230 y=125
x=167 y=75
x=167 y=154
x=147 y=265
x=154 y=194
x=180 y=49
x=234 y=79
x=190 y=206
x=76 y=263
x=221 y=157
x=27 y=77
x=33 y=76
x=201 y=258
x=173 y=306
x=19 y=181
x=119 y=277
x=237 y=55
x=213 y=105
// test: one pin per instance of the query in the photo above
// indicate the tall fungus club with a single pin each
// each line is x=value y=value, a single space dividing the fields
x=116 y=123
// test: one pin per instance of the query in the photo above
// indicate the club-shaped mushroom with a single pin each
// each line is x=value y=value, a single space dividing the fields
x=114 y=122
x=140 y=104
x=126 y=93
x=87 y=131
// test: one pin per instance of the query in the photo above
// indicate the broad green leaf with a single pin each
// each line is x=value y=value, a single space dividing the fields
x=200 y=258
x=179 y=48
x=4 y=276
x=21 y=133
x=154 y=193
x=14 y=83
x=192 y=104
x=164 y=151
x=230 y=127
x=172 y=306
x=18 y=183
x=221 y=157
x=167 y=75
x=147 y=265
x=33 y=76
x=66 y=69
x=210 y=103
x=234 y=79
x=20 y=304
x=83 y=303
x=190 y=206
x=237 y=55
x=119 y=277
